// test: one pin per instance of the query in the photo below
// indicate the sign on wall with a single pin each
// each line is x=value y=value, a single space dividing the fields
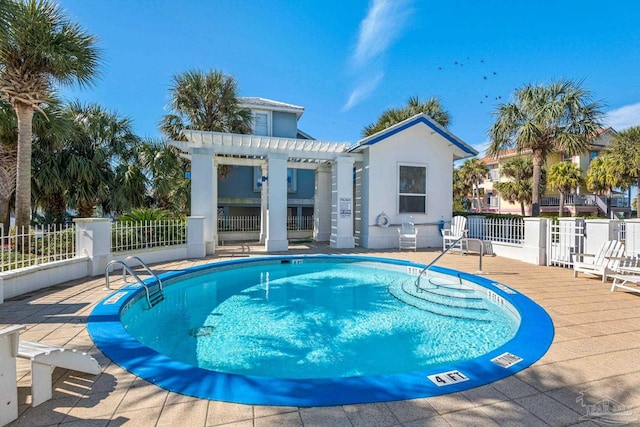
x=345 y=207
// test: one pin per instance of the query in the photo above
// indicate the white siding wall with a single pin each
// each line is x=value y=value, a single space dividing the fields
x=413 y=146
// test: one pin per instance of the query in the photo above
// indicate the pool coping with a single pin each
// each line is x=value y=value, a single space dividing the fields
x=530 y=343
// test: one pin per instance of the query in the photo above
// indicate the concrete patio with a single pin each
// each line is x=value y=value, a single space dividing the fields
x=595 y=355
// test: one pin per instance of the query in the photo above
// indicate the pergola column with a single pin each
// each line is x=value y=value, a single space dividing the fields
x=342 y=203
x=276 y=240
x=204 y=196
x=322 y=204
x=263 y=202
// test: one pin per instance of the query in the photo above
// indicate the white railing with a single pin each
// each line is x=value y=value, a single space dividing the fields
x=504 y=230
x=36 y=245
x=564 y=240
x=252 y=223
x=239 y=223
x=128 y=236
x=494 y=175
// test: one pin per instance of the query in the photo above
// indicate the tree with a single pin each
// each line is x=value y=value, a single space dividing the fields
x=207 y=102
x=473 y=172
x=98 y=162
x=624 y=152
x=541 y=119
x=432 y=107
x=519 y=187
x=169 y=186
x=461 y=191
x=564 y=177
x=42 y=48
x=602 y=177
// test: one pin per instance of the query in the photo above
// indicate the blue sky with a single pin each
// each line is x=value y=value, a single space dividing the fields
x=347 y=61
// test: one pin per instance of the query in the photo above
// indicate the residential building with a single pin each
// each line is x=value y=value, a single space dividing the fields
x=580 y=203
x=357 y=194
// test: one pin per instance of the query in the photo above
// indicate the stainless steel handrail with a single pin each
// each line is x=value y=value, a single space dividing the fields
x=428 y=266
x=146 y=267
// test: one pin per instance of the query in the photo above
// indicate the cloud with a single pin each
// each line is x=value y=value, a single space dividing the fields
x=624 y=117
x=383 y=24
x=362 y=90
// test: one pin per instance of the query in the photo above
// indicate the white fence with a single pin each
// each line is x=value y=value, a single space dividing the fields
x=252 y=223
x=564 y=240
x=503 y=230
x=128 y=236
x=34 y=246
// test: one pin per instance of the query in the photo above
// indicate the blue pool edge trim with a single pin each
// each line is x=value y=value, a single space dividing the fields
x=530 y=343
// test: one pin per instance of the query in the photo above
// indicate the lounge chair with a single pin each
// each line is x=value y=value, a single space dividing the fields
x=458 y=230
x=9 y=338
x=604 y=263
x=408 y=234
x=628 y=278
x=44 y=358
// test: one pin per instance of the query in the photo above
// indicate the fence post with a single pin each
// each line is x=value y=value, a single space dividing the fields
x=599 y=231
x=196 y=247
x=632 y=237
x=93 y=238
x=535 y=240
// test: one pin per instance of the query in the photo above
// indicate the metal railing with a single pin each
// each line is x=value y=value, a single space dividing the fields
x=31 y=246
x=153 y=297
x=129 y=235
x=504 y=230
x=251 y=223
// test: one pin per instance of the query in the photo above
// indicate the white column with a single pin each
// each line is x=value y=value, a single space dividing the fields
x=204 y=196
x=342 y=203
x=322 y=205
x=263 y=202
x=535 y=241
x=93 y=238
x=195 y=237
x=276 y=240
x=631 y=240
x=599 y=231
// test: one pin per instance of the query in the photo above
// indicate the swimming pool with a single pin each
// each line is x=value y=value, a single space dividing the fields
x=321 y=330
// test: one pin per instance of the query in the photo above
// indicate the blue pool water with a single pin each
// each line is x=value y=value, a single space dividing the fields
x=321 y=330
x=317 y=319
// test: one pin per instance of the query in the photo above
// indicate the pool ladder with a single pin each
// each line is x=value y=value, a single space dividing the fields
x=153 y=296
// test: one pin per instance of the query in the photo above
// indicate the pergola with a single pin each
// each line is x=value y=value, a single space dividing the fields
x=333 y=198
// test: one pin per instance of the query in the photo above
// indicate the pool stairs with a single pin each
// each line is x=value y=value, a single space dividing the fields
x=154 y=292
x=443 y=297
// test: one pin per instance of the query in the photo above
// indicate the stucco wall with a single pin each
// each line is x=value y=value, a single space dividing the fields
x=415 y=146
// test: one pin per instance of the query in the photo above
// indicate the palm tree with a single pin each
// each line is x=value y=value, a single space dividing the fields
x=519 y=187
x=432 y=107
x=473 y=173
x=42 y=48
x=541 y=119
x=624 y=152
x=169 y=185
x=97 y=159
x=207 y=102
x=461 y=191
x=8 y=162
x=564 y=177
x=602 y=177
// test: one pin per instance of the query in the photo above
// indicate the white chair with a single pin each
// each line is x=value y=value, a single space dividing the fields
x=457 y=231
x=44 y=358
x=408 y=234
x=603 y=263
x=9 y=338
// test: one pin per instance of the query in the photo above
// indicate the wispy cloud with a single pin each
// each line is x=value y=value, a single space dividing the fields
x=385 y=21
x=624 y=117
x=362 y=90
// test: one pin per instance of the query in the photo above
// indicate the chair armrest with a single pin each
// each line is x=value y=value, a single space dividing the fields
x=581 y=255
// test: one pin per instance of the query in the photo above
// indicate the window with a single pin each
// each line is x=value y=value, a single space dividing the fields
x=412 y=189
x=261 y=124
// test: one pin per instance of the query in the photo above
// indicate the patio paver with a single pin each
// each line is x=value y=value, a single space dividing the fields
x=596 y=350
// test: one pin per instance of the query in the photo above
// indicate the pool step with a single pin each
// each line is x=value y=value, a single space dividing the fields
x=446 y=297
x=405 y=292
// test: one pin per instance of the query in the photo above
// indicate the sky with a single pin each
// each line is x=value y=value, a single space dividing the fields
x=348 y=61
